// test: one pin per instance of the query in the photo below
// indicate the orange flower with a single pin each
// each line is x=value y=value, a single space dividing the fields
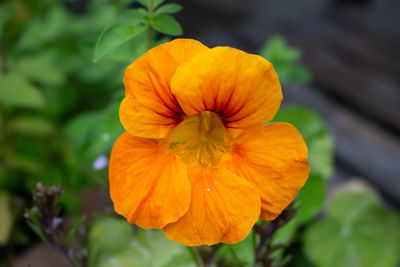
x=196 y=160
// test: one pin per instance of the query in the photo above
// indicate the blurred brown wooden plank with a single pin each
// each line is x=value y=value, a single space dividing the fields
x=353 y=53
x=374 y=153
x=359 y=68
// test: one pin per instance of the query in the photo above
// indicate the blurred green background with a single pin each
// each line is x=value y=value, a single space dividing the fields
x=59 y=110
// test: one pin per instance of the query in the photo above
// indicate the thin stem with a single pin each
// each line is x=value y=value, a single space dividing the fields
x=196 y=257
x=266 y=232
x=264 y=238
x=149 y=27
x=44 y=220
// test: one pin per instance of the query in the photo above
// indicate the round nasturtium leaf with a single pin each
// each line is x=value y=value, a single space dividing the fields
x=356 y=232
x=310 y=198
x=110 y=235
x=113 y=242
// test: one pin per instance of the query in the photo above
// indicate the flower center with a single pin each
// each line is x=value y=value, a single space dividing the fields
x=200 y=139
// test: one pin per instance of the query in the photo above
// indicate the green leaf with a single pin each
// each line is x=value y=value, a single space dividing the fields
x=157 y=3
x=300 y=74
x=40 y=69
x=90 y=138
x=104 y=135
x=166 y=24
x=285 y=61
x=108 y=236
x=356 y=232
x=168 y=9
x=157 y=250
x=31 y=125
x=120 y=260
x=310 y=198
x=16 y=91
x=113 y=37
x=121 y=247
x=6 y=220
x=360 y=203
x=78 y=129
x=146 y=3
x=133 y=16
x=101 y=16
x=318 y=139
x=286 y=233
x=277 y=51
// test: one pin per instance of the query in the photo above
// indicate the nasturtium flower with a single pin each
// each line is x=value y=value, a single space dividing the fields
x=196 y=159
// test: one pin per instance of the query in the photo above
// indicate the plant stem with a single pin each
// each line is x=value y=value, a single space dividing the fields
x=196 y=256
x=267 y=231
x=264 y=238
x=149 y=27
x=43 y=219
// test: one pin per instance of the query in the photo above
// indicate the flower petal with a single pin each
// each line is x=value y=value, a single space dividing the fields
x=274 y=159
x=243 y=88
x=149 y=109
x=217 y=212
x=148 y=186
